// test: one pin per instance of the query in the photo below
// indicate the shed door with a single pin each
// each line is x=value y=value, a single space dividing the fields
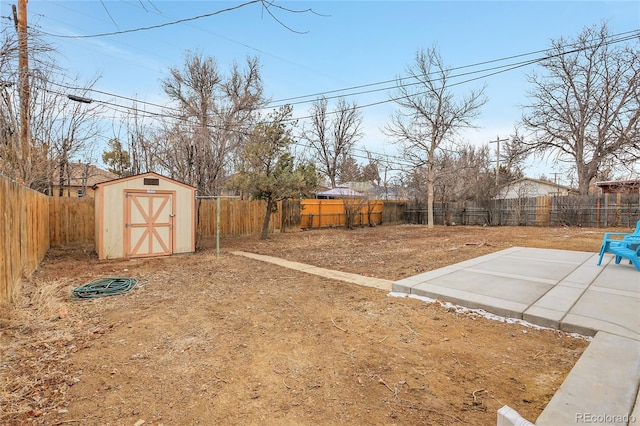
x=148 y=224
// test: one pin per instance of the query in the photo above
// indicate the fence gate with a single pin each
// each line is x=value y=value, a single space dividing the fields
x=148 y=227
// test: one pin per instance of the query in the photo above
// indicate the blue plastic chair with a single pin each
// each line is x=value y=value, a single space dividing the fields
x=627 y=247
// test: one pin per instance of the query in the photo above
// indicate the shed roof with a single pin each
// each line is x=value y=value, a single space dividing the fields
x=143 y=175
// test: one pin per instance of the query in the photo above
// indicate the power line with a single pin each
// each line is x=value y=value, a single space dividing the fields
x=390 y=160
x=160 y=13
x=109 y=14
x=616 y=38
x=151 y=27
x=628 y=35
x=517 y=65
x=510 y=67
x=267 y=5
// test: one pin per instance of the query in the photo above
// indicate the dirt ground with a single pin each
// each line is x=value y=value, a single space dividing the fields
x=237 y=341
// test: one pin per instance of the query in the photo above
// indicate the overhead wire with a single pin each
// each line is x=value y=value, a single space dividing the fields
x=268 y=4
x=389 y=159
x=109 y=14
x=497 y=70
x=151 y=27
x=628 y=35
x=486 y=72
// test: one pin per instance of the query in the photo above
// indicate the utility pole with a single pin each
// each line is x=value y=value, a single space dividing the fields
x=497 y=142
x=23 y=76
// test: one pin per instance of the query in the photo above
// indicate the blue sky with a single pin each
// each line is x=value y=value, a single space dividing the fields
x=345 y=44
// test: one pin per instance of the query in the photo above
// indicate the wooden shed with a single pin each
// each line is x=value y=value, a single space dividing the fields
x=144 y=215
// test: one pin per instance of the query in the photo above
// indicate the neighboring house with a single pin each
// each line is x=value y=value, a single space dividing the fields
x=365 y=188
x=528 y=187
x=619 y=186
x=79 y=180
x=393 y=192
x=339 y=192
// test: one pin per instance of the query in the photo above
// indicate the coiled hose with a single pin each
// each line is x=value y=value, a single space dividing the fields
x=104 y=287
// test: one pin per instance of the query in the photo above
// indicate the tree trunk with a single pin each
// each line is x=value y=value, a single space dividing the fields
x=584 y=179
x=267 y=218
x=586 y=172
x=430 y=195
x=63 y=166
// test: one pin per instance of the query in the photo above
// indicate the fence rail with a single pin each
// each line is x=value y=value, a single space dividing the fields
x=24 y=235
x=71 y=221
x=32 y=222
x=596 y=211
x=332 y=213
x=237 y=217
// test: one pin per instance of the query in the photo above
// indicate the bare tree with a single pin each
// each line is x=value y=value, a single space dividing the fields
x=350 y=170
x=8 y=115
x=371 y=170
x=216 y=112
x=59 y=126
x=585 y=106
x=19 y=160
x=464 y=174
x=332 y=139
x=429 y=115
x=141 y=143
x=62 y=126
x=353 y=207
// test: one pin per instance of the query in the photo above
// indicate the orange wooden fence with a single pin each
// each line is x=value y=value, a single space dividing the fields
x=333 y=213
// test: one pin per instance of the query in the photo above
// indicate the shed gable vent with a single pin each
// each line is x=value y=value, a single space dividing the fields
x=152 y=181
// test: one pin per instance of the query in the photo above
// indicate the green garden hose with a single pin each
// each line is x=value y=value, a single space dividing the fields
x=103 y=287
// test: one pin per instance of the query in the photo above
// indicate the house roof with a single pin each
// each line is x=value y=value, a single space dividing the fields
x=340 y=192
x=79 y=171
x=630 y=182
x=359 y=186
x=542 y=182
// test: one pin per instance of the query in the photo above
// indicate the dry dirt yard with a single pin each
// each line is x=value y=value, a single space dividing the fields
x=237 y=341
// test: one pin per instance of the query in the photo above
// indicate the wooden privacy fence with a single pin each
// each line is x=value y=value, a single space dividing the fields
x=71 y=221
x=596 y=211
x=32 y=222
x=24 y=235
x=237 y=217
x=333 y=213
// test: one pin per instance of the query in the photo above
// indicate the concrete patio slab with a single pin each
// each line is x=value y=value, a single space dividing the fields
x=552 y=288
